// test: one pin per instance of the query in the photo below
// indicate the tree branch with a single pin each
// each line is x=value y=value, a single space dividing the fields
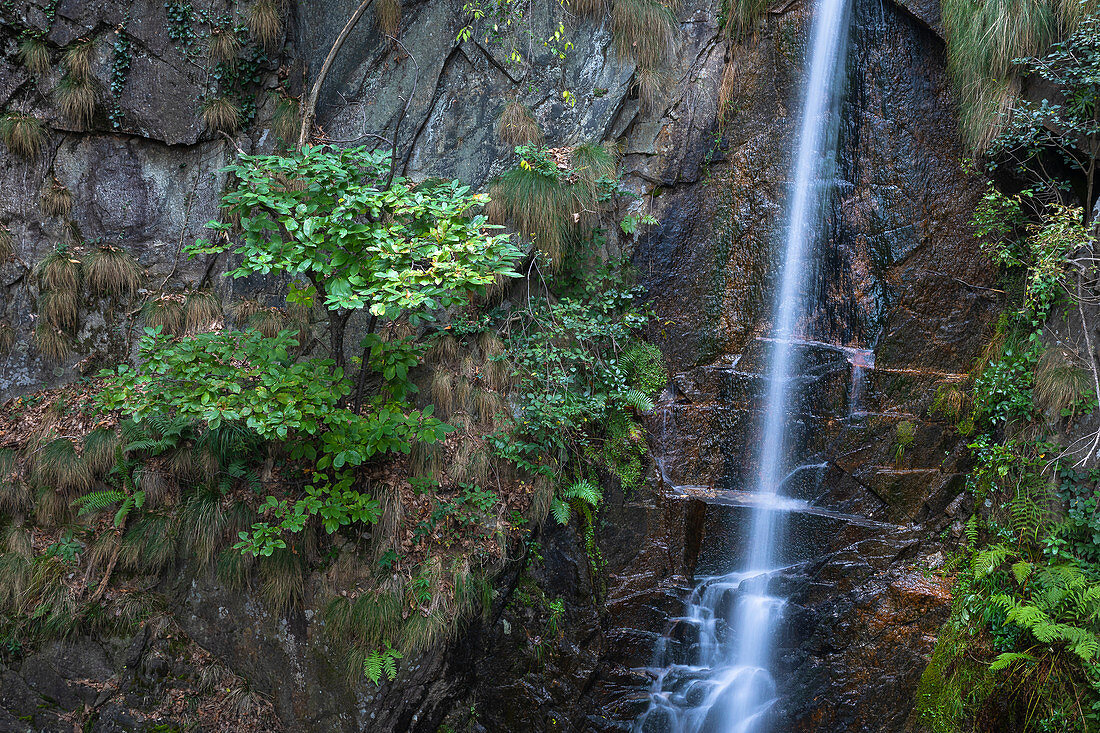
x=310 y=111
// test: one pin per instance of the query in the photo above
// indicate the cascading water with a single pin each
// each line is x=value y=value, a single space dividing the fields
x=727 y=686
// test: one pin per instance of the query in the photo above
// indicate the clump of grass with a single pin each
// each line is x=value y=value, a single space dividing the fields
x=77 y=58
x=224 y=46
x=51 y=342
x=283 y=580
x=265 y=21
x=113 y=272
x=517 y=125
x=59 y=308
x=268 y=321
x=443 y=392
x=56 y=199
x=649 y=83
x=984 y=40
x=593 y=162
x=387 y=13
x=202 y=311
x=76 y=99
x=34 y=55
x=644 y=30
x=589 y=8
x=149 y=544
x=287 y=118
x=99 y=450
x=905 y=433
x=540 y=206
x=164 y=311
x=57 y=465
x=221 y=114
x=23 y=134
x=743 y=15
x=58 y=270
x=1059 y=382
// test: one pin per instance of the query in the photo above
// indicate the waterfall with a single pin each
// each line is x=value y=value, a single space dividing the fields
x=727 y=685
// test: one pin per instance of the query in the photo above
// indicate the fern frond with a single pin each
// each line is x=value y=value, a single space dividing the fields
x=585 y=491
x=98 y=500
x=989 y=559
x=1007 y=659
x=1022 y=570
x=560 y=510
x=636 y=399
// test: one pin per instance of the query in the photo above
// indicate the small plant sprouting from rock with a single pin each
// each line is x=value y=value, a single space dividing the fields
x=222 y=114
x=518 y=126
x=265 y=21
x=59 y=270
x=112 y=272
x=22 y=133
x=51 y=342
x=56 y=200
x=7 y=245
x=7 y=337
x=388 y=15
x=224 y=46
x=904 y=434
x=34 y=54
x=77 y=58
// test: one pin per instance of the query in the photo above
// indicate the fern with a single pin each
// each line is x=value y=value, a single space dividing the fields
x=1007 y=659
x=636 y=399
x=989 y=559
x=560 y=510
x=972 y=532
x=381 y=662
x=98 y=500
x=584 y=490
x=1022 y=570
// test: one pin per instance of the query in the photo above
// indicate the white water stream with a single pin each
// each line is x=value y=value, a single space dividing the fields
x=730 y=622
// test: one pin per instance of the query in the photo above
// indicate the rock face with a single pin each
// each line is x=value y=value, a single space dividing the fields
x=900 y=299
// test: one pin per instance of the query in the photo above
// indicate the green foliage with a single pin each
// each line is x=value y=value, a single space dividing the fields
x=985 y=37
x=326 y=214
x=381 y=662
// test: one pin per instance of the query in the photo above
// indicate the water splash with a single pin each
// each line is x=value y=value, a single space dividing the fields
x=731 y=619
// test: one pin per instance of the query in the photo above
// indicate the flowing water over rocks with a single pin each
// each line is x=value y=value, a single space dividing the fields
x=729 y=687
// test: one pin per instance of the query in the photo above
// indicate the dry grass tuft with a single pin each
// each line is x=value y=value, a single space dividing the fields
x=1059 y=381
x=443 y=394
x=165 y=311
x=644 y=30
x=34 y=55
x=58 y=270
x=743 y=16
x=224 y=46
x=60 y=309
x=221 y=114
x=77 y=58
x=75 y=98
x=23 y=134
x=7 y=337
x=7 y=244
x=56 y=200
x=51 y=342
x=287 y=118
x=387 y=13
x=265 y=21
x=517 y=125
x=649 y=83
x=113 y=272
x=588 y=8
x=202 y=311
x=283 y=580
x=57 y=465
